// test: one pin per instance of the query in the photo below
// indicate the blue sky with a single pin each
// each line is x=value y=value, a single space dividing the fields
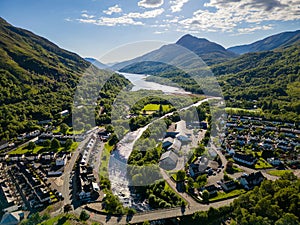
x=95 y=27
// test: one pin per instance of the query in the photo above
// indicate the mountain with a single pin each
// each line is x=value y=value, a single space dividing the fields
x=269 y=80
x=96 y=63
x=210 y=52
x=269 y=43
x=38 y=80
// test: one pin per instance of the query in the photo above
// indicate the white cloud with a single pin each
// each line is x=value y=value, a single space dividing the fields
x=228 y=15
x=126 y=19
x=106 y=21
x=113 y=9
x=150 y=3
x=147 y=14
x=248 y=30
x=176 y=5
x=84 y=15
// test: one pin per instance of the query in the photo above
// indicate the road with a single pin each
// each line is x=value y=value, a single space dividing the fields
x=68 y=168
x=153 y=215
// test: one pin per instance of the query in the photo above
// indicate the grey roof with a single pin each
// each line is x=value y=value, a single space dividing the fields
x=169 y=154
x=11 y=218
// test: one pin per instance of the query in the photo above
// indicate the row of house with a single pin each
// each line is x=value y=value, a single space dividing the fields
x=248 y=182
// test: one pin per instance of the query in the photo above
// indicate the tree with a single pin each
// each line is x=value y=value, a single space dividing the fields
x=47 y=143
x=146 y=223
x=31 y=145
x=288 y=219
x=67 y=208
x=205 y=196
x=55 y=144
x=201 y=180
x=84 y=216
x=64 y=128
x=199 y=150
x=109 y=128
x=180 y=175
x=69 y=143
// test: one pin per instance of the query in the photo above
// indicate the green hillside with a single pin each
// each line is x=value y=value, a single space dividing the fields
x=38 y=79
x=269 y=80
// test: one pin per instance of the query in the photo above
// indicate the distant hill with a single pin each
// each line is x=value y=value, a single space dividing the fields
x=96 y=63
x=38 y=79
x=210 y=52
x=275 y=41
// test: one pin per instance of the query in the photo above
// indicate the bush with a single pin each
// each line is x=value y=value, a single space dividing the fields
x=84 y=216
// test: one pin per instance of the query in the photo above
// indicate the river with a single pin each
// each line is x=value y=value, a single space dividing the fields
x=118 y=164
x=139 y=82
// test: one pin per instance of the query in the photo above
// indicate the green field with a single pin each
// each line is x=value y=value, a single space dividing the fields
x=262 y=164
x=40 y=149
x=224 y=195
x=231 y=109
x=278 y=173
x=155 y=107
x=103 y=169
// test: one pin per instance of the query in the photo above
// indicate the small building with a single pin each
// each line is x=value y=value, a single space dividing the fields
x=244 y=159
x=274 y=161
x=167 y=142
x=3 y=144
x=61 y=160
x=175 y=146
x=168 y=160
x=171 y=134
x=229 y=186
x=252 y=180
x=12 y=218
x=212 y=190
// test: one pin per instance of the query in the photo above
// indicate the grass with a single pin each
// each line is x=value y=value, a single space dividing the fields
x=40 y=149
x=278 y=173
x=262 y=164
x=241 y=109
x=60 y=220
x=155 y=107
x=103 y=169
x=223 y=195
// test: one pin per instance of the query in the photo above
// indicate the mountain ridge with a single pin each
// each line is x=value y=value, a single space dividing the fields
x=283 y=39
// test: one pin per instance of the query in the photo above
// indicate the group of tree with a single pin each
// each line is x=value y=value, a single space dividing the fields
x=274 y=202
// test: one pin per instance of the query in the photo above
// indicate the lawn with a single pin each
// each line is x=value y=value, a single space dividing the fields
x=241 y=110
x=262 y=164
x=155 y=107
x=60 y=220
x=278 y=173
x=40 y=149
x=103 y=169
x=224 y=195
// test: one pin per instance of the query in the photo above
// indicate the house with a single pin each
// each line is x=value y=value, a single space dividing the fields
x=229 y=186
x=184 y=138
x=212 y=190
x=12 y=218
x=168 y=160
x=252 y=180
x=175 y=146
x=167 y=142
x=3 y=144
x=61 y=160
x=244 y=159
x=274 y=161
x=171 y=134
x=199 y=166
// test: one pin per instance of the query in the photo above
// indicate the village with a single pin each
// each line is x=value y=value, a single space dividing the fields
x=251 y=149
